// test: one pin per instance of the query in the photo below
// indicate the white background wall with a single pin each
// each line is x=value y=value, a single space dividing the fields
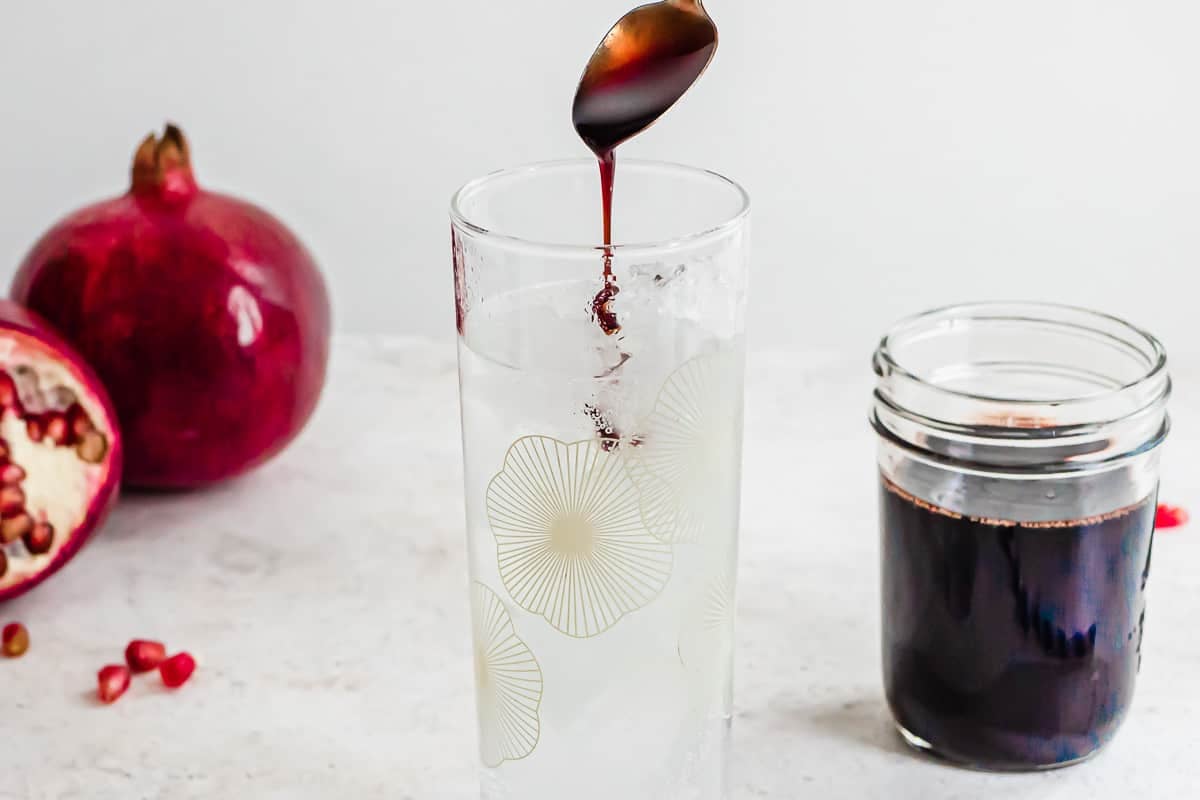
x=901 y=154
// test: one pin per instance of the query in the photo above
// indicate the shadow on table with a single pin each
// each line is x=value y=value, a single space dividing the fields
x=861 y=721
x=882 y=766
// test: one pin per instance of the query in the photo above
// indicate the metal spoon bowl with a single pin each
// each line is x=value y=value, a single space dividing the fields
x=644 y=65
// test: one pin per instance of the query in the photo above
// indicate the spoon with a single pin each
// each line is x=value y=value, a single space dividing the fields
x=649 y=60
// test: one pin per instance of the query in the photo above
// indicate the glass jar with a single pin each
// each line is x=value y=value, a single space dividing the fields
x=1018 y=460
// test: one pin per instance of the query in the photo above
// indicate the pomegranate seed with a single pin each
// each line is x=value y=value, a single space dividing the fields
x=35 y=430
x=56 y=429
x=11 y=474
x=112 y=682
x=3 y=563
x=143 y=656
x=15 y=526
x=14 y=640
x=176 y=670
x=92 y=447
x=39 y=540
x=78 y=419
x=1170 y=517
x=12 y=498
x=8 y=391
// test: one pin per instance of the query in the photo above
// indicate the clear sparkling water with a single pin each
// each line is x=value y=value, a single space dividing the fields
x=602 y=569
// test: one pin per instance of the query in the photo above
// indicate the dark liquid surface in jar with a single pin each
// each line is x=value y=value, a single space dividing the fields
x=663 y=49
x=1006 y=645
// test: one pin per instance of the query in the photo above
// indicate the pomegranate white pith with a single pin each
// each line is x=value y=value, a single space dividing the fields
x=55 y=438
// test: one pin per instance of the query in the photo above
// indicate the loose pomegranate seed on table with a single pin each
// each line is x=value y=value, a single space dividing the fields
x=144 y=656
x=1170 y=517
x=112 y=682
x=14 y=640
x=177 y=669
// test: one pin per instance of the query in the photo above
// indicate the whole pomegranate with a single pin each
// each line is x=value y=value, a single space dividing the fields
x=205 y=317
x=60 y=451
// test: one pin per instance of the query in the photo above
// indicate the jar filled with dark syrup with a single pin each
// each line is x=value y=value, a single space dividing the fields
x=1018 y=460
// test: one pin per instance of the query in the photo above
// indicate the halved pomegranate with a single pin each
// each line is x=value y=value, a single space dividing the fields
x=60 y=451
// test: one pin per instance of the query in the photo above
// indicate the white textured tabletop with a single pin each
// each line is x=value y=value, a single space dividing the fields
x=325 y=599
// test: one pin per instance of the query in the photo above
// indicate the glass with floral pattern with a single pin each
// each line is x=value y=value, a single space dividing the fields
x=603 y=470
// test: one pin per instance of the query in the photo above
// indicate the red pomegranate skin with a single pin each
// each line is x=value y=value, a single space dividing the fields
x=205 y=317
x=17 y=320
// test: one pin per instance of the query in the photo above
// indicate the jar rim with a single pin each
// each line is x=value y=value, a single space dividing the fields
x=1021 y=387
x=887 y=363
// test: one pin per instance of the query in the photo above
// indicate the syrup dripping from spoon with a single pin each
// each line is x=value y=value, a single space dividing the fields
x=644 y=65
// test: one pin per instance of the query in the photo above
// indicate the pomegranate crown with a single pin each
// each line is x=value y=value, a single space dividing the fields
x=162 y=165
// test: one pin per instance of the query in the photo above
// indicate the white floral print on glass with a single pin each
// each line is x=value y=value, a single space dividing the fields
x=508 y=683
x=570 y=541
x=706 y=645
x=688 y=456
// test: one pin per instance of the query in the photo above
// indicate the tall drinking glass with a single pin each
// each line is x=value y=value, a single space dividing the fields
x=602 y=476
